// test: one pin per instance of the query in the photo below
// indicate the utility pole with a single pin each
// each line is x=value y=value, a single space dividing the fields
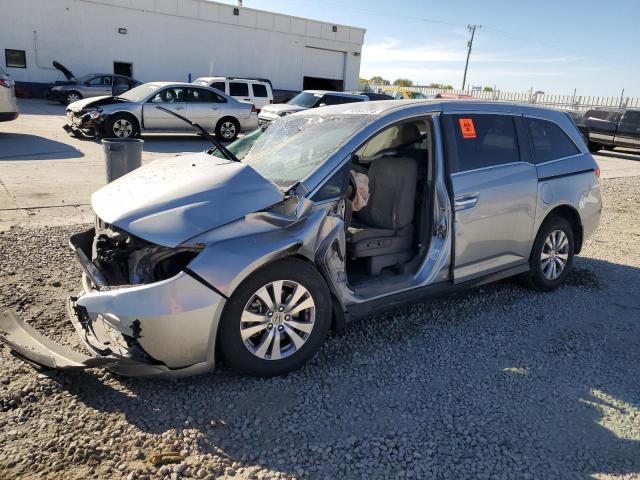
x=472 y=29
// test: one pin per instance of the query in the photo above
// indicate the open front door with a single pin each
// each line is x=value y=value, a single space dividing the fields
x=494 y=186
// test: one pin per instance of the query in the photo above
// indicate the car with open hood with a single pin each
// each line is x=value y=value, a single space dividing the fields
x=134 y=112
x=254 y=252
x=87 y=86
x=306 y=100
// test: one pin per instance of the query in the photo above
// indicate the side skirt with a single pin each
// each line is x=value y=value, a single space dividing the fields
x=414 y=295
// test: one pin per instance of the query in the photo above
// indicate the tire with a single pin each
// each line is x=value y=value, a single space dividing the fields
x=227 y=129
x=594 y=147
x=71 y=97
x=121 y=125
x=250 y=345
x=550 y=252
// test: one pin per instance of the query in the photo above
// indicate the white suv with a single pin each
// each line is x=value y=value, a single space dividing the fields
x=8 y=102
x=255 y=90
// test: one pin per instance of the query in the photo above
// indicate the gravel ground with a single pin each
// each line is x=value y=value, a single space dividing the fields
x=498 y=382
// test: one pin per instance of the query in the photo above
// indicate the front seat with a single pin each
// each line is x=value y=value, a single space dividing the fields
x=382 y=232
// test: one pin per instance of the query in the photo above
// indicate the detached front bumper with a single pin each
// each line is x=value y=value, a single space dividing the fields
x=166 y=328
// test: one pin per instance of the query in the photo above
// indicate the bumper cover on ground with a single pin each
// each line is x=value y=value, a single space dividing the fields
x=36 y=348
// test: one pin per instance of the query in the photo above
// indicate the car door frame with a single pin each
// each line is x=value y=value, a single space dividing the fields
x=467 y=199
x=172 y=123
x=240 y=98
x=628 y=135
x=216 y=113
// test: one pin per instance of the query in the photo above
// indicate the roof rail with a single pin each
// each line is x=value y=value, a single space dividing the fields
x=266 y=80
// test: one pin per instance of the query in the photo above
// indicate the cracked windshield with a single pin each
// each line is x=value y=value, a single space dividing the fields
x=292 y=147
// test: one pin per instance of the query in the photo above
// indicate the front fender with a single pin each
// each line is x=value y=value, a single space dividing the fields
x=225 y=263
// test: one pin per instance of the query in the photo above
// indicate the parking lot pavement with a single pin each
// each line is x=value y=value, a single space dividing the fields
x=47 y=176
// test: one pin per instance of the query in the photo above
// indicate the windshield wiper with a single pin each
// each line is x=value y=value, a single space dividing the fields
x=226 y=153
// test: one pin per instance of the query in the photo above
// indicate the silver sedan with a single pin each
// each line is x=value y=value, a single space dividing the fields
x=135 y=112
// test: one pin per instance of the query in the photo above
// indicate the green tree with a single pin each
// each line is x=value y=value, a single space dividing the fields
x=487 y=89
x=378 y=80
x=441 y=86
x=403 y=82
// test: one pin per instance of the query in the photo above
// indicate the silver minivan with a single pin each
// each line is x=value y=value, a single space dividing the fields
x=254 y=252
x=8 y=102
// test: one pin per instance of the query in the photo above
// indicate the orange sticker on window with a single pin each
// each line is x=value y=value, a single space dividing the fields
x=466 y=128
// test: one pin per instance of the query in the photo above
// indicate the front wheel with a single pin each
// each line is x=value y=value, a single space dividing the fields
x=277 y=319
x=121 y=126
x=71 y=97
x=227 y=129
x=552 y=255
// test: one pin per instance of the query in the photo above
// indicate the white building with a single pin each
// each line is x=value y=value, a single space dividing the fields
x=175 y=39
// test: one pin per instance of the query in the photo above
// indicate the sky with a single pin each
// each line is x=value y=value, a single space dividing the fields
x=553 y=46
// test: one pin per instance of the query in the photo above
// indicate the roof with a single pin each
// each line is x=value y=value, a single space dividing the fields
x=384 y=107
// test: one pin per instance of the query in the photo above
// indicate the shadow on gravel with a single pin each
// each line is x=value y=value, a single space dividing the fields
x=21 y=146
x=495 y=380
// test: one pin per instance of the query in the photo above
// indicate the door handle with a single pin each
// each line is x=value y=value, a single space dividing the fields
x=247 y=99
x=466 y=201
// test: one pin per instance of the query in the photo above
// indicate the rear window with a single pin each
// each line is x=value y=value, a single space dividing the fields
x=238 y=89
x=259 y=90
x=549 y=141
x=479 y=141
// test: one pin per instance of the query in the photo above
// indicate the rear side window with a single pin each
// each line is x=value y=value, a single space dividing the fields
x=549 y=141
x=631 y=119
x=259 y=90
x=198 y=95
x=219 y=85
x=480 y=140
x=238 y=89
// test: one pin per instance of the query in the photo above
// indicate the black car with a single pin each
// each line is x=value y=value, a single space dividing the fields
x=92 y=85
x=610 y=127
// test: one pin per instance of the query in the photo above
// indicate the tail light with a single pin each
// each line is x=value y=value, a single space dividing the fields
x=254 y=109
x=597 y=171
x=6 y=83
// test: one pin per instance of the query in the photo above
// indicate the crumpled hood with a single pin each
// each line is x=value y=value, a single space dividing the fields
x=282 y=107
x=171 y=200
x=92 y=102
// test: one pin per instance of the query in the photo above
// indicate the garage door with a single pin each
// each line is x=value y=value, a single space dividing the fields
x=321 y=63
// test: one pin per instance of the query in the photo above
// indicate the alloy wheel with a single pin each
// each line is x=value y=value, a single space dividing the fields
x=228 y=129
x=122 y=128
x=555 y=254
x=277 y=320
x=73 y=97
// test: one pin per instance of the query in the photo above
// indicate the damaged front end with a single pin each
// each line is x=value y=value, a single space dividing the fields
x=141 y=313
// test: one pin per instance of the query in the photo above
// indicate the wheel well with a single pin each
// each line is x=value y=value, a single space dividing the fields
x=338 y=318
x=571 y=216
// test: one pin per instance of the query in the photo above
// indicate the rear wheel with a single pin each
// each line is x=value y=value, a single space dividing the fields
x=121 y=126
x=227 y=129
x=71 y=97
x=552 y=255
x=277 y=319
